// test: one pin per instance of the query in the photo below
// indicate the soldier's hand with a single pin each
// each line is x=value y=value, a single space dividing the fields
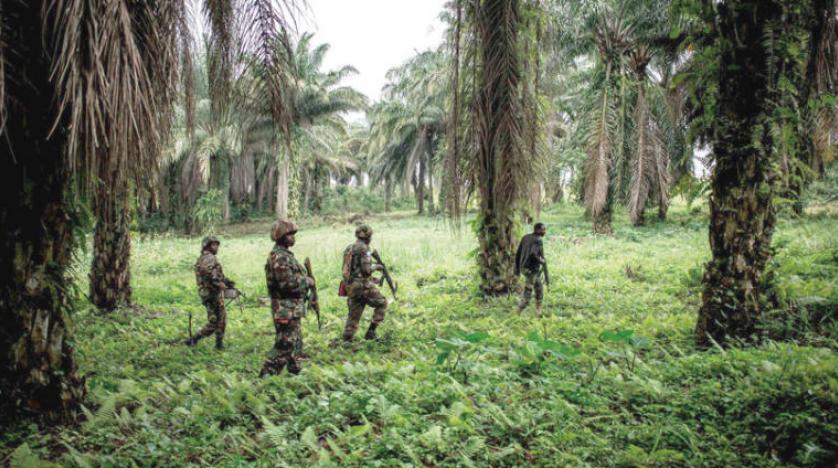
x=377 y=267
x=310 y=282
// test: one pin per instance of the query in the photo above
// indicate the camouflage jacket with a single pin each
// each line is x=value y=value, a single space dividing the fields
x=287 y=283
x=358 y=262
x=209 y=276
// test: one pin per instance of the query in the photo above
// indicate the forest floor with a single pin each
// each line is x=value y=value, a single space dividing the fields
x=609 y=376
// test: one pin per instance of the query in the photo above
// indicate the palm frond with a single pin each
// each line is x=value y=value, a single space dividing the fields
x=114 y=78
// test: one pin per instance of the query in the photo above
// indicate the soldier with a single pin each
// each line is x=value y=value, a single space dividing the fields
x=529 y=260
x=287 y=286
x=211 y=287
x=361 y=287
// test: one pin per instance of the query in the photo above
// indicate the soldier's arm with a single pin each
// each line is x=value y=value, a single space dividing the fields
x=539 y=251
x=217 y=276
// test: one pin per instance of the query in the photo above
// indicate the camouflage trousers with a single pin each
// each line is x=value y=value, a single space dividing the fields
x=361 y=296
x=287 y=350
x=216 y=319
x=533 y=281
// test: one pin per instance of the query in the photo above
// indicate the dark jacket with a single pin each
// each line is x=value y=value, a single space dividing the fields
x=530 y=254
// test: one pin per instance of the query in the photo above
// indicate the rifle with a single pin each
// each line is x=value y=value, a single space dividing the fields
x=386 y=274
x=311 y=297
x=233 y=293
x=546 y=275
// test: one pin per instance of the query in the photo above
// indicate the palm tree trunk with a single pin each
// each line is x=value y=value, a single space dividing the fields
x=309 y=183
x=110 y=273
x=431 y=209
x=388 y=195
x=500 y=158
x=599 y=188
x=282 y=187
x=742 y=215
x=38 y=372
x=420 y=187
x=640 y=184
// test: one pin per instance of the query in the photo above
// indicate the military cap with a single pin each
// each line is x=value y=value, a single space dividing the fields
x=209 y=240
x=281 y=228
x=363 y=232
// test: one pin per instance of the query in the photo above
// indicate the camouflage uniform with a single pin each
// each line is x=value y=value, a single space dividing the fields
x=287 y=286
x=528 y=262
x=361 y=287
x=211 y=286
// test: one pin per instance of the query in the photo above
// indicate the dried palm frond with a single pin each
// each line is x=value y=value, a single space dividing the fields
x=113 y=71
x=264 y=50
x=503 y=169
x=599 y=149
x=188 y=74
x=222 y=52
x=646 y=144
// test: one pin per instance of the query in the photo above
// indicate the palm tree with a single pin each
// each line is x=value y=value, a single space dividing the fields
x=86 y=108
x=503 y=169
x=611 y=35
x=89 y=84
x=650 y=172
x=408 y=126
x=738 y=72
x=319 y=101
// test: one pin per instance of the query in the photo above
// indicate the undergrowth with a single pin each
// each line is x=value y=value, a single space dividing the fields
x=608 y=377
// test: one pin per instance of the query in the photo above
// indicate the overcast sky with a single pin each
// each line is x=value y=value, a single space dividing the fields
x=373 y=35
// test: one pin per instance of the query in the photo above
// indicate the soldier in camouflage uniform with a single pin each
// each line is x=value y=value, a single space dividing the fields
x=361 y=286
x=529 y=260
x=211 y=286
x=287 y=286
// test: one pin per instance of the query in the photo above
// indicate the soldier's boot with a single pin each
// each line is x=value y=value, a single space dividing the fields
x=538 y=309
x=371 y=331
x=219 y=343
x=191 y=341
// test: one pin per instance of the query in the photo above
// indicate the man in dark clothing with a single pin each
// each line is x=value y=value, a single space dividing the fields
x=529 y=260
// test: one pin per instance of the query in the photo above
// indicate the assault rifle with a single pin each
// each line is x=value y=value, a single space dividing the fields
x=311 y=297
x=386 y=274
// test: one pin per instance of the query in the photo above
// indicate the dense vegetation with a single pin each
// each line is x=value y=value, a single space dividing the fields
x=129 y=132
x=610 y=376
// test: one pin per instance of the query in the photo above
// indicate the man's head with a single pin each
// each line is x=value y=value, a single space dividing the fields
x=540 y=229
x=210 y=244
x=283 y=232
x=364 y=233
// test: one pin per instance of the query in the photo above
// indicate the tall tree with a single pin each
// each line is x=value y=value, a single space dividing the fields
x=503 y=169
x=741 y=67
x=407 y=127
x=319 y=98
x=76 y=75
x=150 y=58
x=81 y=95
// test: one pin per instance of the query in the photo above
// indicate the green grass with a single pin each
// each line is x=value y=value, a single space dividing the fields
x=609 y=377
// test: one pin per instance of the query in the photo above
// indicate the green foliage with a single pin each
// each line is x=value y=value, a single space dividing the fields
x=343 y=199
x=608 y=376
x=208 y=211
